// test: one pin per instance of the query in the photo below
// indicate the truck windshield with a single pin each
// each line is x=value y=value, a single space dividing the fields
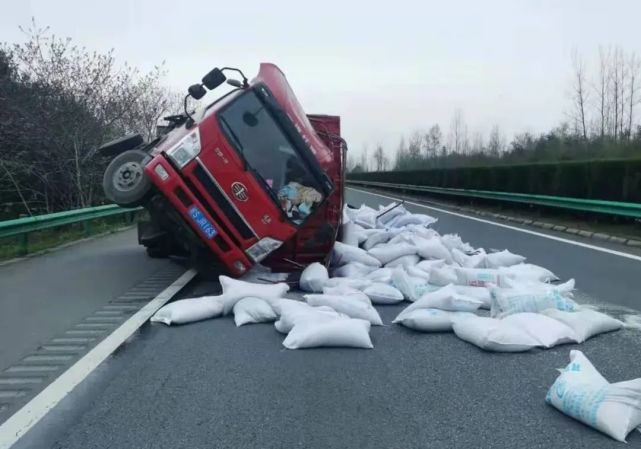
x=252 y=129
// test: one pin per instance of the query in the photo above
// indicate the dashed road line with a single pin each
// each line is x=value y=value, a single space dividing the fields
x=29 y=415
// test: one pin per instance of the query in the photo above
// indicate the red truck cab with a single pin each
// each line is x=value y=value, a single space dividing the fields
x=251 y=176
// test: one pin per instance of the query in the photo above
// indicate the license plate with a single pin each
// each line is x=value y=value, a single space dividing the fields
x=202 y=222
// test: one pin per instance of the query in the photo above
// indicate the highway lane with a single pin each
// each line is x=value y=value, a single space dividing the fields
x=44 y=295
x=603 y=276
x=212 y=385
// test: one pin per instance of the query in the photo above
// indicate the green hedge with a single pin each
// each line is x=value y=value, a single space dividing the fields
x=616 y=180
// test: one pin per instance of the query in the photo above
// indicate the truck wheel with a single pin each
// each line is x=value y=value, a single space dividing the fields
x=156 y=252
x=125 y=182
x=208 y=268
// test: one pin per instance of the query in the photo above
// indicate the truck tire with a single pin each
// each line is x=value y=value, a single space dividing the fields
x=156 y=252
x=208 y=268
x=125 y=182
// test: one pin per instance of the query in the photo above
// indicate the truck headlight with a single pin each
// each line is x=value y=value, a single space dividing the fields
x=261 y=249
x=186 y=149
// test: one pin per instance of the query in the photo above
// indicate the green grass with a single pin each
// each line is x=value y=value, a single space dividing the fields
x=50 y=238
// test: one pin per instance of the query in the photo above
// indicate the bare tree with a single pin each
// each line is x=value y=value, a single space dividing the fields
x=379 y=158
x=579 y=93
x=364 y=161
x=433 y=141
x=458 y=133
x=603 y=89
x=634 y=66
x=478 y=143
x=496 y=142
x=414 y=145
x=617 y=86
x=401 y=155
x=65 y=101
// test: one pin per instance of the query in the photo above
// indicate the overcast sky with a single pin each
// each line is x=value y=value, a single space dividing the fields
x=387 y=68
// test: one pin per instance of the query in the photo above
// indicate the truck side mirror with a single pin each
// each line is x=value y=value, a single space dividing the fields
x=214 y=79
x=197 y=91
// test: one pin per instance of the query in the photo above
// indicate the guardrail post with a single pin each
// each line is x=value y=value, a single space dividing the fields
x=87 y=228
x=24 y=244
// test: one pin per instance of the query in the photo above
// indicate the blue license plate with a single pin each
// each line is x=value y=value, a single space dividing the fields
x=202 y=222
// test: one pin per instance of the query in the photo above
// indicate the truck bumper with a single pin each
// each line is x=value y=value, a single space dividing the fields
x=196 y=215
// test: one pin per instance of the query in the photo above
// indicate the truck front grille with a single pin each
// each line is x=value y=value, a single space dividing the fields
x=221 y=201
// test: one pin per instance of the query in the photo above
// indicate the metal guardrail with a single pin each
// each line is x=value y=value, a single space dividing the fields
x=24 y=226
x=561 y=202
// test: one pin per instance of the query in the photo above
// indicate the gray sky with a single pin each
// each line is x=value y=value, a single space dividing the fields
x=387 y=68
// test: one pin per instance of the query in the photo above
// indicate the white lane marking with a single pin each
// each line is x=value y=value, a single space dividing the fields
x=514 y=228
x=25 y=418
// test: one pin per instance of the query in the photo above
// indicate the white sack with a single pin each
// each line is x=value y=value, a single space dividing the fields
x=492 y=334
x=291 y=314
x=412 y=219
x=387 y=253
x=417 y=272
x=481 y=293
x=361 y=233
x=547 y=331
x=349 y=213
x=189 y=310
x=342 y=254
x=253 y=310
x=402 y=237
x=366 y=217
x=506 y=301
x=528 y=271
x=565 y=288
x=443 y=275
x=349 y=306
x=444 y=298
x=429 y=320
x=352 y=333
x=583 y=393
x=376 y=238
x=452 y=241
x=411 y=287
x=387 y=213
x=358 y=284
x=281 y=303
x=380 y=293
x=586 y=323
x=432 y=249
x=502 y=259
x=468 y=260
x=234 y=290
x=478 y=277
x=380 y=275
x=422 y=231
x=313 y=278
x=349 y=233
x=345 y=290
x=352 y=270
x=427 y=265
x=404 y=261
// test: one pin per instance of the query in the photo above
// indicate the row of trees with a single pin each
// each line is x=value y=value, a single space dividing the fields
x=58 y=103
x=601 y=123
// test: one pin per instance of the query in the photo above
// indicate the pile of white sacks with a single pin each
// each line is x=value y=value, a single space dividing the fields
x=389 y=256
x=392 y=255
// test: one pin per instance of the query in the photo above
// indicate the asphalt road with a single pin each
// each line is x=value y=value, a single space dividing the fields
x=42 y=296
x=212 y=385
x=603 y=276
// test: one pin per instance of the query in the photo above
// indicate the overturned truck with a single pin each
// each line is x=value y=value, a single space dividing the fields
x=249 y=178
